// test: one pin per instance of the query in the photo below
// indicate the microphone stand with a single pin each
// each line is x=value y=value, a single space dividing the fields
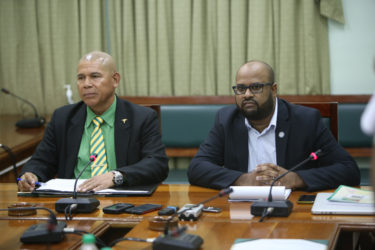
x=51 y=232
x=82 y=205
x=13 y=159
x=35 y=122
x=278 y=208
x=92 y=158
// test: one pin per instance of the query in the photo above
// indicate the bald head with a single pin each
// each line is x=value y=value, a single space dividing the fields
x=97 y=81
x=258 y=67
x=102 y=58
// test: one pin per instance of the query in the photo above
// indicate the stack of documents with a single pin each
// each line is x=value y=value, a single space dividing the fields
x=252 y=193
x=66 y=187
x=271 y=244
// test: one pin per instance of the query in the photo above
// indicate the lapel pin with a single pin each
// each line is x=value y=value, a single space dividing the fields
x=124 y=121
x=281 y=134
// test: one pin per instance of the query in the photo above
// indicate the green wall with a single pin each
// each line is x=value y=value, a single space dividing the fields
x=352 y=49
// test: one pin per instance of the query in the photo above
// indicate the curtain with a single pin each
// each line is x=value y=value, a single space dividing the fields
x=162 y=47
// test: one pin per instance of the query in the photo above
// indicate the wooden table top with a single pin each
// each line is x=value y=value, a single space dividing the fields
x=22 y=142
x=235 y=220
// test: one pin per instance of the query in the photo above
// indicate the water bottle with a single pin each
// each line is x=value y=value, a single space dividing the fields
x=88 y=242
x=69 y=94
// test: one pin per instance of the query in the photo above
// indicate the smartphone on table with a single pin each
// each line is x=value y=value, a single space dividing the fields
x=117 y=208
x=306 y=199
x=142 y=209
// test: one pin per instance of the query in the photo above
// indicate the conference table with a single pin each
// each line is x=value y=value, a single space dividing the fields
x=218 y=230
x=22 y=142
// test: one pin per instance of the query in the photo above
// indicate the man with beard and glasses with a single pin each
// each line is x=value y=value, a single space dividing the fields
x=263 y=136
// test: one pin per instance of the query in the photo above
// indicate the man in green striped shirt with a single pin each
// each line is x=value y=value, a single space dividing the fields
x=124 y=137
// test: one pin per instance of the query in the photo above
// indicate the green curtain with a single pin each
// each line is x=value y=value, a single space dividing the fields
x=162 y=47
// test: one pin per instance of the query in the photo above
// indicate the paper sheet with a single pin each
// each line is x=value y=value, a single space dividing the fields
x=67 y=185
x=280 y=244
x=250 y=193
x=64 y=185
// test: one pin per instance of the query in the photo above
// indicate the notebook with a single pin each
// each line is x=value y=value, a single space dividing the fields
x=65 y=187
x=323 y=206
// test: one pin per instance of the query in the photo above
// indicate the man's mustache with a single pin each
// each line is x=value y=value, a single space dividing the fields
x=246 y=101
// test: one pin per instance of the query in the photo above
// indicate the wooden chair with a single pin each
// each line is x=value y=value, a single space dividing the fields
x=327 y=110
x=155 y=107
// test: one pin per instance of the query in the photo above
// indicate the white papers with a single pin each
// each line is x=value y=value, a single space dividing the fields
x=67 y=185
x=251 y=193
x=280 y=244
x=62 y=185
x=239 y=211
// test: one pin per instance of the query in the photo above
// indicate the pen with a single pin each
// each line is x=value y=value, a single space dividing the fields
x=37 y=183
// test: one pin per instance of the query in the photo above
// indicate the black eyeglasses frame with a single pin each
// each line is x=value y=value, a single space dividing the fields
x=258 y=84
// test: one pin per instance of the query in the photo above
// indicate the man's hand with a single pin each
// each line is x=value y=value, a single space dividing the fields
x=247 y=179
x=97 y=183
x=264 y=174
x=27 y=182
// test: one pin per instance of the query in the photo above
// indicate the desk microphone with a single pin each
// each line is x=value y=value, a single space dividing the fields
x=35 y=122
x=278 y=208
x=50 y=232
x=80 y=205
x=177 y=239
x=12 y=158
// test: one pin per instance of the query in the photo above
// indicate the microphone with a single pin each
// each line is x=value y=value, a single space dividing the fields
x=221 y=193
x=35 y=122
x=12 y=158
x=51 y=232
x=278 y=208
x=80 y=205
x=177 y=238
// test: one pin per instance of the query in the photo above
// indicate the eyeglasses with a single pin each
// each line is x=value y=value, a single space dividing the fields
x=255 y=88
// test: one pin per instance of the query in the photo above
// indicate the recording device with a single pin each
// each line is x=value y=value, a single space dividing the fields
x=80 y=205
x=168 y=210
x=178 y=239
x=142 y=209
x=13 y=159
x=278 y=208
x=35 y=122
x=117 y=208
x=190 y=212
x=50 y=232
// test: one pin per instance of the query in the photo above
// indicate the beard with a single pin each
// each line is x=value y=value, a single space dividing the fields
x=261 y=111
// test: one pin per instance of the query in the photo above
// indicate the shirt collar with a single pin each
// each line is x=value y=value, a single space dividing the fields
x=108 y=116
x=272 y=122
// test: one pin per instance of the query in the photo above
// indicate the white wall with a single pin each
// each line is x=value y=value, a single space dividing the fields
x=352 y=49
